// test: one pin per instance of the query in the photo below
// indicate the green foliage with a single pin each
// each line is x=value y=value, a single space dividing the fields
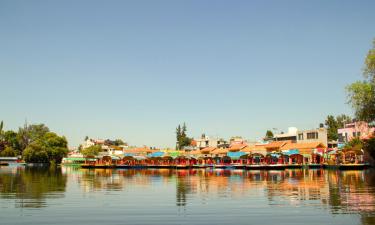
x=269 y=134
x=49 y=148
x=57 y=147
x=369 y=146
x=36 y=152
x=361 y=94
x=181 y=137
x=355 y=144
x=119 y=142
x=30 y=133
x=333 y=124
x=8 y=152
x=10 y=138
x=92 y=150
x=35 y=142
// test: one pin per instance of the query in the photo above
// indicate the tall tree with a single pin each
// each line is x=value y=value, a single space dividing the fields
x=178 y=136
x=361 y=94
x=31 y=133
x=334 y=123
x=182 y=140
x=269 y=134
x=332 y=127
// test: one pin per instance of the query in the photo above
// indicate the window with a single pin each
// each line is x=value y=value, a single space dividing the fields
x=312 y=135
x=300 y=136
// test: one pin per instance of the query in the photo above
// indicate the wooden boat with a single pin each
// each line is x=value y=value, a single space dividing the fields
x=219 y=166
x=123 y=166
x=293 y=166
x=349 y=166
x=238 y=166
x=358 y=166
x=255 y=167
x=275 y=167
x=201 y=166
x=182 y=166
x=315 y=166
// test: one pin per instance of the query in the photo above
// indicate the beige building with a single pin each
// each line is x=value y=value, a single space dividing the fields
x=314 y=135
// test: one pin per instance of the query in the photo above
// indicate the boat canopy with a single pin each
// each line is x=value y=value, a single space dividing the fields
x=139 y=157
x=156 y=154
x=290 y=152
x=235 y=155
x=274 y=155
x=174 y=154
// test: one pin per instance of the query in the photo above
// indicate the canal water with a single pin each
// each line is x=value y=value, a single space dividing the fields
x=71 y=195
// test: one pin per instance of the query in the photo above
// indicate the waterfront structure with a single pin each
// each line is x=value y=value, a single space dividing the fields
x=291 y=135
x=313 y=135
x=312 y=152
x=206 y=141
x=237 y=140
x=357 y=129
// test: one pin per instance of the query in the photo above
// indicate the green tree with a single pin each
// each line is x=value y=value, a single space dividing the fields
x=333 y=124
x=119 y=142
x=92 y=150
x=181 y=137
x=36 y=152
x=10 y=139
x=8 y=152
x=361 y=94
x=269 y=134
x=30 y=133
x=57 y=147
x=355 y=144
x=49 y=148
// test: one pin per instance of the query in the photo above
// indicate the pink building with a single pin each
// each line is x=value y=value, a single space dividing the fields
x=360 y=129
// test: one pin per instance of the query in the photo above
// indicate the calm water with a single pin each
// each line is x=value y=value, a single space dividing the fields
x=76 y=196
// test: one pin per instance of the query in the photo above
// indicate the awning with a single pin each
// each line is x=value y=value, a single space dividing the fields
x=235 y=155
x=156 y=154
x=290 y=152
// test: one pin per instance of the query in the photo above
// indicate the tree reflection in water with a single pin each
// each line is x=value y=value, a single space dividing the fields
x=338 y=192
x=30 y=187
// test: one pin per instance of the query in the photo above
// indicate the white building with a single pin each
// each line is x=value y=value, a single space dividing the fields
x=206 y=141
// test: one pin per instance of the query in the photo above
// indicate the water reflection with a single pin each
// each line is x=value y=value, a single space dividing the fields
x=336 y=192
x=30 y=187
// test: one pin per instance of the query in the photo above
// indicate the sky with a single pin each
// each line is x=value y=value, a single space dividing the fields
x=136 y=69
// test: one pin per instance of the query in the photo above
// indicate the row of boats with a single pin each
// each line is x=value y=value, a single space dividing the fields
x=231 y=166
x=219 y=163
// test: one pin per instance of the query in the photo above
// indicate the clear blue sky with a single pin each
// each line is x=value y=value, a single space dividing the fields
x=135 y=69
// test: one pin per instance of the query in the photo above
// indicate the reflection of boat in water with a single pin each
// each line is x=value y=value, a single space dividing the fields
x=266 y=167
x=238 y=166
x=200 y=166
x=97 y=166
x=349 y=166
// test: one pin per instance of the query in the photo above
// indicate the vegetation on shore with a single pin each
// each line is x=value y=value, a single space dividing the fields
x=361 y=96
x=35 y=142
x=182 y=140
